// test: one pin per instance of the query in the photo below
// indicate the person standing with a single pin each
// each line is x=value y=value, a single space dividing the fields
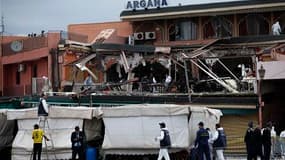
x=37 y=136
x=258 y=142
x=165 y=142
x=210 y=141
x=273 y=141
x=276 y=28
x=266 y=141
x=282 y=140
x=201 y=142
x=42 y=109
x=249 y=142
x=220 y=142
x=77 y=143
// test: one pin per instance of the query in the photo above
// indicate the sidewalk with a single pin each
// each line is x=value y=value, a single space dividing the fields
x=235 y=158
x=244 y=158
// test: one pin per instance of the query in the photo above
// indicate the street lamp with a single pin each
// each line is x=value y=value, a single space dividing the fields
x=261 y=73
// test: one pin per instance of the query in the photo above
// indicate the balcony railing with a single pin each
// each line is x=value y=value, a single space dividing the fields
x=19 y=90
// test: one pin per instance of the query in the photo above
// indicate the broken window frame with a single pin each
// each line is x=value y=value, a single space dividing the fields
x=180 y=30
x=217 y=27
x=258 y=21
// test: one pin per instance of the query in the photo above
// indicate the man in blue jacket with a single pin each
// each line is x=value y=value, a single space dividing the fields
x=201 y=142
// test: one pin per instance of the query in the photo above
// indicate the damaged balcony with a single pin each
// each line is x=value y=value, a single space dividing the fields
x=121 y=69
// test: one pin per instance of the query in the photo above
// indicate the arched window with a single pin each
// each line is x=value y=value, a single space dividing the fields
x=216 y=27
x=253 y=24
x=183 y=30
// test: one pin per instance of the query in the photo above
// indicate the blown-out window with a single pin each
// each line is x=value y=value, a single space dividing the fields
x=183 y=30
x=253 y=24
x=281 y=19
x=216 y=27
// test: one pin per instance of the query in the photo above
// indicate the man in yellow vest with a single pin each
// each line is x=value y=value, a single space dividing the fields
x=37 y=136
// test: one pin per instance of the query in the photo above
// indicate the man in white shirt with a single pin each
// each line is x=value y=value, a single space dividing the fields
x=165 y=142
x=282 y=140
x=42 y=109
x=273 y=141
x=276 y=29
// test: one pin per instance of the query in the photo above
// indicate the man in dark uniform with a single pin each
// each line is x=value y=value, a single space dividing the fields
x=266 y=140
x=201 y=142
x=165 y=142
x=258 y=142
x=249 y=142
x=77 y=143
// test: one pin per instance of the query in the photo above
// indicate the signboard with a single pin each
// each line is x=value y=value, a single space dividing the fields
x=143 y=4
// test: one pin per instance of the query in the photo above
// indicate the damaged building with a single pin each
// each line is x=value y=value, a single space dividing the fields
x=207 y=55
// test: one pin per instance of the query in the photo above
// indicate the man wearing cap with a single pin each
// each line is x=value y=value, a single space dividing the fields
x=201 y=142
x=165 y=142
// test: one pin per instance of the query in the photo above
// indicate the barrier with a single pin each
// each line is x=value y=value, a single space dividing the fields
x=91 y=153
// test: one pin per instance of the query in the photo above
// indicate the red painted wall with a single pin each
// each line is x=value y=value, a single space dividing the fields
x=36 y=57
x=124 y=29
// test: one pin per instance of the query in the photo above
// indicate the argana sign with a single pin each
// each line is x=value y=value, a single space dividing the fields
x=141 y=4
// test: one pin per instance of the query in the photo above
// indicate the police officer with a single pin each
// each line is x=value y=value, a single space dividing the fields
x=165 y=142
x=220 y=142
x=249 y=142
x=266 y=141
x=201 y=142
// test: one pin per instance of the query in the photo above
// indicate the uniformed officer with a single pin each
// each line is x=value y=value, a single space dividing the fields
x=201 y=142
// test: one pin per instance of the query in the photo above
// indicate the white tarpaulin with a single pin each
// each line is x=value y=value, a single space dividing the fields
x=273 y=70
x=61 y=122
x=210 y=117
x=131 y=129
x=56 y=111
x=59 y=132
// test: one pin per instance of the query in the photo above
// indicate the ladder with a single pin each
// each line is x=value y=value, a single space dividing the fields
x=44 y=125
x=46 y=129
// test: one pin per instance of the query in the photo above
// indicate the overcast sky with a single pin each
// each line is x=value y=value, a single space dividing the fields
x=26 y=16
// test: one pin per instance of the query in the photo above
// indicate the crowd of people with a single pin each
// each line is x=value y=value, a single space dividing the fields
x=261 y=143
x=209 y=145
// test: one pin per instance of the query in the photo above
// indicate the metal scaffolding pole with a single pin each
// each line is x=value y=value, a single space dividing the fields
x=187 y=81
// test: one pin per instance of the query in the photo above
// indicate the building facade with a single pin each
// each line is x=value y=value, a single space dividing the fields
x=239 y=34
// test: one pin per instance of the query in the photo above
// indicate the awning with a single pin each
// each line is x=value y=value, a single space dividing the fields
x=206 y=9
x=273 y=70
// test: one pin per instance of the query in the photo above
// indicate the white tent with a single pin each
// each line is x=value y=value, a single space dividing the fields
x=131 y=129
x=61 y=121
